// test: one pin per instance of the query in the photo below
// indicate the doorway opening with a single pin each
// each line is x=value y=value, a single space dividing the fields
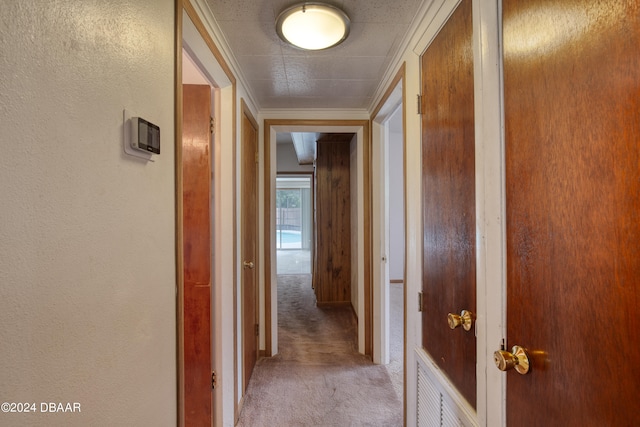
x=388 y=158
x=294 y=221
x=361 y=289
x=199 y=63
x=395 y=242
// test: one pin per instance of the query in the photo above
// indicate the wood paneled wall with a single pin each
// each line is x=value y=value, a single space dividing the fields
x=332 y=273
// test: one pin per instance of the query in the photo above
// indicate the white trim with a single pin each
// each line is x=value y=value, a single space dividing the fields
x=270 y=157
x=200 y=54
x=359 y=131
x=211 y=24
x=313 y=114
x=417 y=26
x=222 y=225
x=379 y=269
x=413 y=234
x=436 y=17
x=490 y=210
x=380 y=224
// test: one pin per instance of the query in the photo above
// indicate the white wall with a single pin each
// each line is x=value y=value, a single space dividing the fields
x=287 y=160
x=87 y=258
x=396 y=203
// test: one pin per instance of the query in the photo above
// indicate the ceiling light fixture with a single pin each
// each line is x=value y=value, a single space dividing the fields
x=313 y=26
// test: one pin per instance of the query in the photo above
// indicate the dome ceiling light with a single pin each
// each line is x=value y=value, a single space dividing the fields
x=313 y=26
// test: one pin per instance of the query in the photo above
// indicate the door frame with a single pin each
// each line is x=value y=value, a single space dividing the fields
x=269 y=307
x=193 y=36
x=393 y=99
x=490 y=208
x=246 y=113
x=491 y=232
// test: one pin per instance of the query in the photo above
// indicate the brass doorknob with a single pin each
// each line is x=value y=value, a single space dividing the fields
x=465 y=319
x=517 y=359
x=248 y=264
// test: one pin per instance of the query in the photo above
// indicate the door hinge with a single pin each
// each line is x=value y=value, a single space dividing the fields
x=257 y=157
x=212 y=123
x=213 y=380
x=420 y=301
x=257 y=329
x=419 y=104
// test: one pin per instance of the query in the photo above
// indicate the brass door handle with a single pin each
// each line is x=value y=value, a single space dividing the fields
x=465 y=319
x=517 y=359
x=247 y=264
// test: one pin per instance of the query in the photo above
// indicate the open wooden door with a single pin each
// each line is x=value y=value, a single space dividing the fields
x=196 y=190
x=448 y=205
x=249 y=279
x=572 y=117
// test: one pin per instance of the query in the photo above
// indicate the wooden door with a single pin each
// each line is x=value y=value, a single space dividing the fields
x=448 y=187
x=249 y=279
x=196 y=192
x=572 y=122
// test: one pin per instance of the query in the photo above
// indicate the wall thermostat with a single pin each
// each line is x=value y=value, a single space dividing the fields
x=145 y=136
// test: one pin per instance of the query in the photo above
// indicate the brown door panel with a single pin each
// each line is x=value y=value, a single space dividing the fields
x=572 y=122
x=448 y=187
x=196 y=189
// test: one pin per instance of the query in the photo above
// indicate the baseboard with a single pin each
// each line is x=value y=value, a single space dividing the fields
x=339 y=304
x=237 y=414
x=333 y=304
x=262 y=353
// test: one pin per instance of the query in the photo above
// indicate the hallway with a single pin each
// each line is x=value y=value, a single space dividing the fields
x=317 y=378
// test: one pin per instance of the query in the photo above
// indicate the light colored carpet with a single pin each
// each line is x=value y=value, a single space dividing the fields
x=396 y=339
x=318 y=378
x=293 y=261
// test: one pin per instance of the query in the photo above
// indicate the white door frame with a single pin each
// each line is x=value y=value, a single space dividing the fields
x=490 y=208
x=222 y=225
x=323 y=126
x=491 y=262
x=380 y=223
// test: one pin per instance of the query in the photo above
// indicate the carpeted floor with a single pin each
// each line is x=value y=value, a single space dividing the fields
x=396 y=338
x=318 y=378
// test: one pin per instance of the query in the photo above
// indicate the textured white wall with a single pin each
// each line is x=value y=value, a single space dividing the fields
x=287 y=160
x=87 y=258
x=396 y=203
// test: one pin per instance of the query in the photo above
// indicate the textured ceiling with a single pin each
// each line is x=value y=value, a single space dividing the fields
x=346 y=76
